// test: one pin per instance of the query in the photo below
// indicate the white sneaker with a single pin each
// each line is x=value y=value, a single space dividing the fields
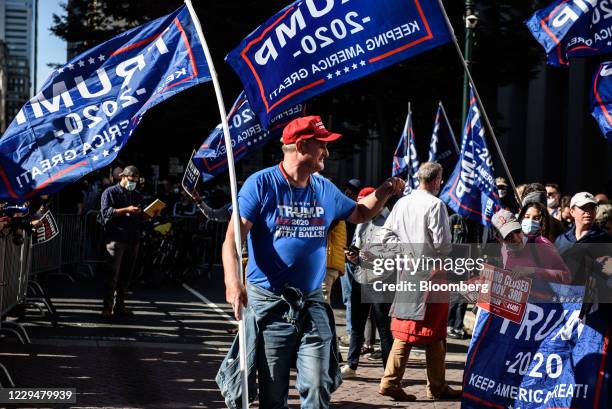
x=347 y=372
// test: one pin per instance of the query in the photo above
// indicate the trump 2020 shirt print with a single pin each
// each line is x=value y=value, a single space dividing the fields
x=288 y=240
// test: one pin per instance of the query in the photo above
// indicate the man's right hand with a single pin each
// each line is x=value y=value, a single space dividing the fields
x=351 y=256
x=133 y=209
x=236 y=296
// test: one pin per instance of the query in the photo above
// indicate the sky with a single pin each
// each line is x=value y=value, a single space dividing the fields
x=51 y=49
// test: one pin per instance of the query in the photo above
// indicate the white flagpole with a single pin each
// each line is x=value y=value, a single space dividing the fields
x=479 y=101
x=234 y=191
x=450 y=128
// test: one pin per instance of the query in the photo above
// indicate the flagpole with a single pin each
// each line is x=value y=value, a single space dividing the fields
x=479 y=101
x=234 y=190
x=407 y=124
x=450 y=128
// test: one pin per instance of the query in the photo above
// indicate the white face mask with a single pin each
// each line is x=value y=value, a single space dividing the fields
x=530 y=226
x=130 y=185
x=552 y=202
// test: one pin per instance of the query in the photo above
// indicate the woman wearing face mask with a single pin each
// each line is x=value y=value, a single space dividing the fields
x=506 y=195
x=529 y=251
x=535 y=222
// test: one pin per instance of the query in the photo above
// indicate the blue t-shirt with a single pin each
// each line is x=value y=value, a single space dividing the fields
x=287 y=243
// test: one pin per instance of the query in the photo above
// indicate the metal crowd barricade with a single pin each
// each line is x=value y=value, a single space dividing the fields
x=47 y=257
x=92 y=240
x=217 y=233
x=15 y=272
x=71 y=239
x=213 y=234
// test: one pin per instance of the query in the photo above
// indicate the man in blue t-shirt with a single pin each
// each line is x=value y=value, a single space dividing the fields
x=286 y=211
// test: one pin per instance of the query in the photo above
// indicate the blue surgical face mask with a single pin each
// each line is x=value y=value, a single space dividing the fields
x=130 y=185
x=530 y=226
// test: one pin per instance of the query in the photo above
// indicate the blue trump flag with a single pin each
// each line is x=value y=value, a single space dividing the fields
x=247 y=136
x=471 y=190
x=601 y=99
x=405 y=160
x=87 y=110
x=310 y=47
x=443 y=147
x=550 y=360
x=576 y=28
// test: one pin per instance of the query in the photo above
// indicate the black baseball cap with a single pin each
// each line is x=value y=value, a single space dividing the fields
x=130 y=171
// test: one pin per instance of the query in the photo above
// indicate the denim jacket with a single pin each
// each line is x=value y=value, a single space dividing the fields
x=228 y=378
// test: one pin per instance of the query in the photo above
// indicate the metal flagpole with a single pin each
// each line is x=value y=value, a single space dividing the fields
x=471 y=20
x=234 y=191
x=407 y=126
x=450 y=128
x=479 y=101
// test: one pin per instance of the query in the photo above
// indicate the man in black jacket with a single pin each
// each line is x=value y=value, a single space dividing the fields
x=121 y=208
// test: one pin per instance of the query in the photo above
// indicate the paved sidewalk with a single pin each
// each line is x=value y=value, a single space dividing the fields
x=167 y=355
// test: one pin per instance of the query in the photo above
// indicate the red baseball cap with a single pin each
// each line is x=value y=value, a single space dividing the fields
x=365 y=192
x=305 y=128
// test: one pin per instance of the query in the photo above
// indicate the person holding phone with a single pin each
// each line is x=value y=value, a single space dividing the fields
x=121 y=212
x=366 y=233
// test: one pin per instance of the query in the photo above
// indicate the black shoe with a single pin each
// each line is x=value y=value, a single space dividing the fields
x=366 y=350
x=107 y=312
x=123 y=311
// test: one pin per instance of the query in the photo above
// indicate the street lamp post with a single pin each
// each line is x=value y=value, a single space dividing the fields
x=471 y=20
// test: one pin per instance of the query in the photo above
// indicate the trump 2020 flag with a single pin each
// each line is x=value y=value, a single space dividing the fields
x=471 y=190
x=601 y=99
x=443 y=147
x=576 y=28
x=311 y=46
x=247 y=136
x=405 y=160
x=87 y=110
x=551 y=359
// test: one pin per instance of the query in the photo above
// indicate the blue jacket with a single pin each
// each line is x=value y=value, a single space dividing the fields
x=594 y=235
x=579 y=255
x=228 y=378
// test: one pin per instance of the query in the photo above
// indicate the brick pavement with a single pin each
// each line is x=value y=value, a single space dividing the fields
x=167 y=355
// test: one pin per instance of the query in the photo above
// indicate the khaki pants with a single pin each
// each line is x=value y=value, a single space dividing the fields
x=331 y=276
x=435 y=355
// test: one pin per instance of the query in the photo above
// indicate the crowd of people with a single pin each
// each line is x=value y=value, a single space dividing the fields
x=303 y=233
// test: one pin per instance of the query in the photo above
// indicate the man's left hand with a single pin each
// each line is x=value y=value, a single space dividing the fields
x=391 y=187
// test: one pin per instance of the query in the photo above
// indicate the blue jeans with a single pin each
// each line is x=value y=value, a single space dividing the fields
x=347 y=288
x=293 y=330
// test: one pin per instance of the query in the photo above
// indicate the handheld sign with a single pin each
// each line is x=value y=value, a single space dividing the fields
x=191 y=177
x=507 y=293
x=311 y=46
x=45 y=230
